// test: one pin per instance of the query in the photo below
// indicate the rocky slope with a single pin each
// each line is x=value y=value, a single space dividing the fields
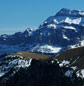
x=74 y=59
x=16 y=70
x=30 y=69
x=57 y=33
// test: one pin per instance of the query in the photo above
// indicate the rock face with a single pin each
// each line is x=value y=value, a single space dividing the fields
x=63 y=31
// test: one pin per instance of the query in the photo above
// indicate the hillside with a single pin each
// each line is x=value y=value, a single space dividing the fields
x=30 y=69
x=63 y=69
x=75 y=56
x=74 y=59
x=29 y=55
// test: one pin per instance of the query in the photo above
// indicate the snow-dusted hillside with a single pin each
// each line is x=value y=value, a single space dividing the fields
x=12 y=63
x=66 y=69
x=74 y=59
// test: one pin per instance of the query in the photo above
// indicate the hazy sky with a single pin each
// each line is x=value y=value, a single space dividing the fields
x=17 y=15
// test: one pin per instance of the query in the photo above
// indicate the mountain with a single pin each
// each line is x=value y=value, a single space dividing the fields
x=31 y=69
x=63 y=31
x=73 y=59
x=61 y=37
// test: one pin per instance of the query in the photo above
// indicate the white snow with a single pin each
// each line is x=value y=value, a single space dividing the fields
x=73 y=21
x=24 y=63
x=83 y=24
x=74 y=67
x=77 y=45
x=29 y=31
x=80 y=73
x=68 y=20
x=74 y=46
x=64 y=63
x=76 y=21
x=2 y=73
x=65 y=37
x=46 y=49
x=45 y=22
x=81 y=13
x=52 y=62
x=4 y=36
x=60 y=19
x=55 y=21
x=57 y=61
x=51 y=26
x=82 y=43
x=69 y=27
x=13 y=61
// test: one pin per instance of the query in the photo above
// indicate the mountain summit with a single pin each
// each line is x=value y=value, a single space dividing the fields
x=68 y=12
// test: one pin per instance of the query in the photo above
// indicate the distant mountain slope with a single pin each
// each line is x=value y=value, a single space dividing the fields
x=63 y=31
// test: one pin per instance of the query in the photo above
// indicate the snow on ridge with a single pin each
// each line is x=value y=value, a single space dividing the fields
x=19 y=61
x=65 y=37
x=81 y=13
x=73 y=21
x=14 y=61
x=46 y=48
x=64 y=63
x=55 y=21
x=74 y=67
x=51 y=26
x=69 y=27
x=80 y=73
x=82 y=43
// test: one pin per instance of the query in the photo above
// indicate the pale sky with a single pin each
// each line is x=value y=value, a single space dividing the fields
x=17 y=15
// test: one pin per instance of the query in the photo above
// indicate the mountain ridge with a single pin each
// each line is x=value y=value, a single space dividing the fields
x=66 y=12
x=57 y=33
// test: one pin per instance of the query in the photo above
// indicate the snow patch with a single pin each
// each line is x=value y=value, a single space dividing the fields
x=46 y=49
x=55 y=21
x=81 y=13
x=73 y=21
x=74 y=67
x=80 y=73
x=51 y=26
x=64 y=63
x=65 y=37
x=13 y=62
x=82 y=43
x=69 y=27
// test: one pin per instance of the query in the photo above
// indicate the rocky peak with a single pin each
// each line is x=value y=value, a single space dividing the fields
x=28 y=31
x=68 y=12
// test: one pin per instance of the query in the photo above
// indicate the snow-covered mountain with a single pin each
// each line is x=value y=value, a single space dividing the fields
x=63 y=31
